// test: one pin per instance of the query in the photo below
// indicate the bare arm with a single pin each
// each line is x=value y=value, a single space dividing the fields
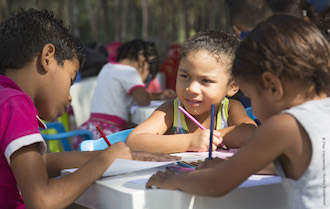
x=141 y=96
x=40 y=191
x=241 y=126
x=149 y=135
x=274 y=139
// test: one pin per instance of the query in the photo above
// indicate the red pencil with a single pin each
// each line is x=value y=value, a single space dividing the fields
x=103 y=135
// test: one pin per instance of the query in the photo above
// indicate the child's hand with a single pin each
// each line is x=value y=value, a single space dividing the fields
x=160 y=180
x=210 y=163
x=148 y=156
x=120 y=150
x=200 y=141
x=167 y=94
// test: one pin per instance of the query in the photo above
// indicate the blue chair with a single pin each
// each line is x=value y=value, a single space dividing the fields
x=249 y=112
x=64 y=135
x=100 y=144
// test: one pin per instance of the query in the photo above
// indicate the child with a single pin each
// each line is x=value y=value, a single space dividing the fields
x=39 y=61
x=283 y=65
x=246 y=14
x=204 y=78
x=120 y=84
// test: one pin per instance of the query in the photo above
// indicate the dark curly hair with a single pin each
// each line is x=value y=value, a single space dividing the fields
x=288 y=47
x=23 y=36
x=219 y=44
x=132 y=49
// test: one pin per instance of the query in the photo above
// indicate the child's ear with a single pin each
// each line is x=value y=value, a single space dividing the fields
x=232 y=89
x=272 y=84
x=47 y=56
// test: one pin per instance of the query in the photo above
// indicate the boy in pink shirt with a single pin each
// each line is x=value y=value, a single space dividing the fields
x=39 y=61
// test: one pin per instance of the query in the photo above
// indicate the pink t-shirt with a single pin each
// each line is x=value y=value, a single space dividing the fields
x=19 y=126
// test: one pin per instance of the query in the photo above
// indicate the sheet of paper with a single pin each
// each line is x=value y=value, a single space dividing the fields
x=121 y=166
x=220 y=153
x=258 y=180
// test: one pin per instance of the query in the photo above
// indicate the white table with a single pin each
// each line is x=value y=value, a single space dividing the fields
x=139 y=114
x=119 y=192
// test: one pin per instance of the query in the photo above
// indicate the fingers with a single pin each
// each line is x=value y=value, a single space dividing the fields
x=159 y=157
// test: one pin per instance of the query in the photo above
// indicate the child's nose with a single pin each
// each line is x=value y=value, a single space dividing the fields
x=193 y=87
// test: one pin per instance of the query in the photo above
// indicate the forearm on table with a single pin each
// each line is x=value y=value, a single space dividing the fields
x=203 y=182
x=159 y=143
x=235 y=136
x=55 y=162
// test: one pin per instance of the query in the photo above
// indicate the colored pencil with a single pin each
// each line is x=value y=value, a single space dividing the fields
x=103 y=135
x=211 y=131
x=197 y=123
x=148 y=81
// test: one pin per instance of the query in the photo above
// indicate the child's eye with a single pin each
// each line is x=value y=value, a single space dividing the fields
x=183 y=76
x=206 y=81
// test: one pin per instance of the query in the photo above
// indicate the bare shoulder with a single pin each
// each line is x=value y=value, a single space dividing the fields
x=235 y=105
x=282 y=130
x=237 y=113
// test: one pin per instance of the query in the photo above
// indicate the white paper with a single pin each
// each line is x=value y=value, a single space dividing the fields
x=220 y=153
x=121 y=166
x=258 y=180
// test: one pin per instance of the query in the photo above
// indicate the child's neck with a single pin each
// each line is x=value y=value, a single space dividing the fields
x=132 y=63
x=25 y=79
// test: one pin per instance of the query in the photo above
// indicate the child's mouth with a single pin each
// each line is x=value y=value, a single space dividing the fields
x=193 y=102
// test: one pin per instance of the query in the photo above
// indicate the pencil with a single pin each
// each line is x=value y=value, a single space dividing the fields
x=103 y=135
x=211 y=131
x=148 y=81
x=197 y=123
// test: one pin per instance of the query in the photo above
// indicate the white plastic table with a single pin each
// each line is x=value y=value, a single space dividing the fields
x=139 y=114
x=128 y=191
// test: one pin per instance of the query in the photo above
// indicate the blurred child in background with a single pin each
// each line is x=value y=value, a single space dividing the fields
x=120 y=84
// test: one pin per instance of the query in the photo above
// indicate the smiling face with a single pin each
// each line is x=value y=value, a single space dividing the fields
x=55 y=97
x=202 y=81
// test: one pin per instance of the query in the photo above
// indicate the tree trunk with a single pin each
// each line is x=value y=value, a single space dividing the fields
x=144 y=5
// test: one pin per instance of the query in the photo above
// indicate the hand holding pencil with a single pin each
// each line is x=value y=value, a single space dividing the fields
x=204 y=134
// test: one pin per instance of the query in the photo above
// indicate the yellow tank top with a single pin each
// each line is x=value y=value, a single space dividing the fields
x=179 y=122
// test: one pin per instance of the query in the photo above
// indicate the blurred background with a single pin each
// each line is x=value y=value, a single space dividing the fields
x=105 y=21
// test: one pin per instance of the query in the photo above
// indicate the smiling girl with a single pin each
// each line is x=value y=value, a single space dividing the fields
x=204 y=78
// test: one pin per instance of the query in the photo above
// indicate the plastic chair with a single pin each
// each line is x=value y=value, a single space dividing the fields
x=100 y=144
x=249 y=112
x=64 y=135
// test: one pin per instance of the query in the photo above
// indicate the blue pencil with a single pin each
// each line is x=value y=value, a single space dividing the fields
x=148 y=81
x=211 y=131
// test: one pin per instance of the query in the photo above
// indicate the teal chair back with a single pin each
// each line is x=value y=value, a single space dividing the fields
x=100 y=144
x=63 y=135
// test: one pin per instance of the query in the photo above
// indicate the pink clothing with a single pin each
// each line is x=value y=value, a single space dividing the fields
x=19 y=126
x=154 y=86
x=109 y=124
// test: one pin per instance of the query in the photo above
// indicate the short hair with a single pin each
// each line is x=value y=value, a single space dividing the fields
x=132 y=49
x=23 y=36
x=298 y=8
x=288 y=47
x=249 y=12
x=324 y=23
x=217 y=43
